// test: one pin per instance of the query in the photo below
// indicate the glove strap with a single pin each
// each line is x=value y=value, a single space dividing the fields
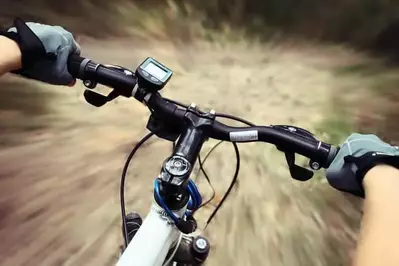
x=32 y=48
x=367 y=161
x=10 y=35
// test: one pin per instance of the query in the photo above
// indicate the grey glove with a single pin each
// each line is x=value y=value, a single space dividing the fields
x=356 y=156
x=45 y=51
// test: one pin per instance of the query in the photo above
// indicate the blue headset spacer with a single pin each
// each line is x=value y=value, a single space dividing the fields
x=193 y=204
x=162 y=202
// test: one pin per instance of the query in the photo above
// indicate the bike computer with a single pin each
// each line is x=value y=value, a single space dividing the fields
x=152 y=75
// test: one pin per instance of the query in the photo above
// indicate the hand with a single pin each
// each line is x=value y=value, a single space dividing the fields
x=45 y=51
x=356 y=156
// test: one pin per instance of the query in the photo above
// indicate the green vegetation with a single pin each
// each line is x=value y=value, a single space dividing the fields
x=349 y=21
x=353 y=21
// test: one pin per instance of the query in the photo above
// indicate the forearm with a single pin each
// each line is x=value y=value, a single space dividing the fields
x=10 y=55
x=380 y=228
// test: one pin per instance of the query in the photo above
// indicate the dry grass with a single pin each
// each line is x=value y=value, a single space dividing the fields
x=60 y=187
x=61 y=163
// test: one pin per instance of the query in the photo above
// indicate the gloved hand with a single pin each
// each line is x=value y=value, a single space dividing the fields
x=45 y=50
x=356 y=156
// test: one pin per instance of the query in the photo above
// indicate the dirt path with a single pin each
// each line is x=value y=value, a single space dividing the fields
x=59 y=191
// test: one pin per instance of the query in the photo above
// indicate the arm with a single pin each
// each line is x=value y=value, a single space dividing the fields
x=10 y=55
x=368 y=167
x=380 y=232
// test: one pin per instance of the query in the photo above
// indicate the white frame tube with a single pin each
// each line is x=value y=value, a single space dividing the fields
x=151 y=243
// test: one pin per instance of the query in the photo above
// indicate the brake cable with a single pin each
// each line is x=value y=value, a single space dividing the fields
x=233 y=181
x=232 y=117
x=191 y=187
x=201 y=163
x=122 y=186
x=201 y=169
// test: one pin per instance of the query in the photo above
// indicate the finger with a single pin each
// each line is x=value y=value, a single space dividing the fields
x=72 y=83
x=75 y=47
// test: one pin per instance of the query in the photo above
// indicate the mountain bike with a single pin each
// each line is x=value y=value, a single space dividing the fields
x=167 y=234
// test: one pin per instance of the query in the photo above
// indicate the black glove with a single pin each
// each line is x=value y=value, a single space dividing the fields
x=355 y=158
x=45 y=50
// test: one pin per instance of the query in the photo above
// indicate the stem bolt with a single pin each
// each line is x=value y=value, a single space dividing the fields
x=315 y=165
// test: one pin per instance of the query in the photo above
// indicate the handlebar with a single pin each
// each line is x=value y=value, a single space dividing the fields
x=123 y=81
x=287 y=139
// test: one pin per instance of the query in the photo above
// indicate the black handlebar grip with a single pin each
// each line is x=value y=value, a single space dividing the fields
x=74 y=64
x=331 y=156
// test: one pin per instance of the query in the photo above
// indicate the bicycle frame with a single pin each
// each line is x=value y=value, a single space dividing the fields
x=152 y=242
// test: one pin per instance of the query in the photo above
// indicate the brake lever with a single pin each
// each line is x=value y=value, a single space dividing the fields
x=97 y=99
x=297 y=172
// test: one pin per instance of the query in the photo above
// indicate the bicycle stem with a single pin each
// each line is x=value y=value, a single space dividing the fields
x=172 y=190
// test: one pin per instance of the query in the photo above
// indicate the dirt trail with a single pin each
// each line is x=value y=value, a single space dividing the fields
x=59 y=190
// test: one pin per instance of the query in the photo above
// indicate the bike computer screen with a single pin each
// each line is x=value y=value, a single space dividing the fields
x=152 y=75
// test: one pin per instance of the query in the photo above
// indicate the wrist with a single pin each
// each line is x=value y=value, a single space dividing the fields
x=381 y=179
x=13 y=53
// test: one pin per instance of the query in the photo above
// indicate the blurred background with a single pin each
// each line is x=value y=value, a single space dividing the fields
x=327 y=66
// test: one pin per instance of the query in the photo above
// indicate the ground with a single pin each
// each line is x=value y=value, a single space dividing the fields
x=60 y=185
